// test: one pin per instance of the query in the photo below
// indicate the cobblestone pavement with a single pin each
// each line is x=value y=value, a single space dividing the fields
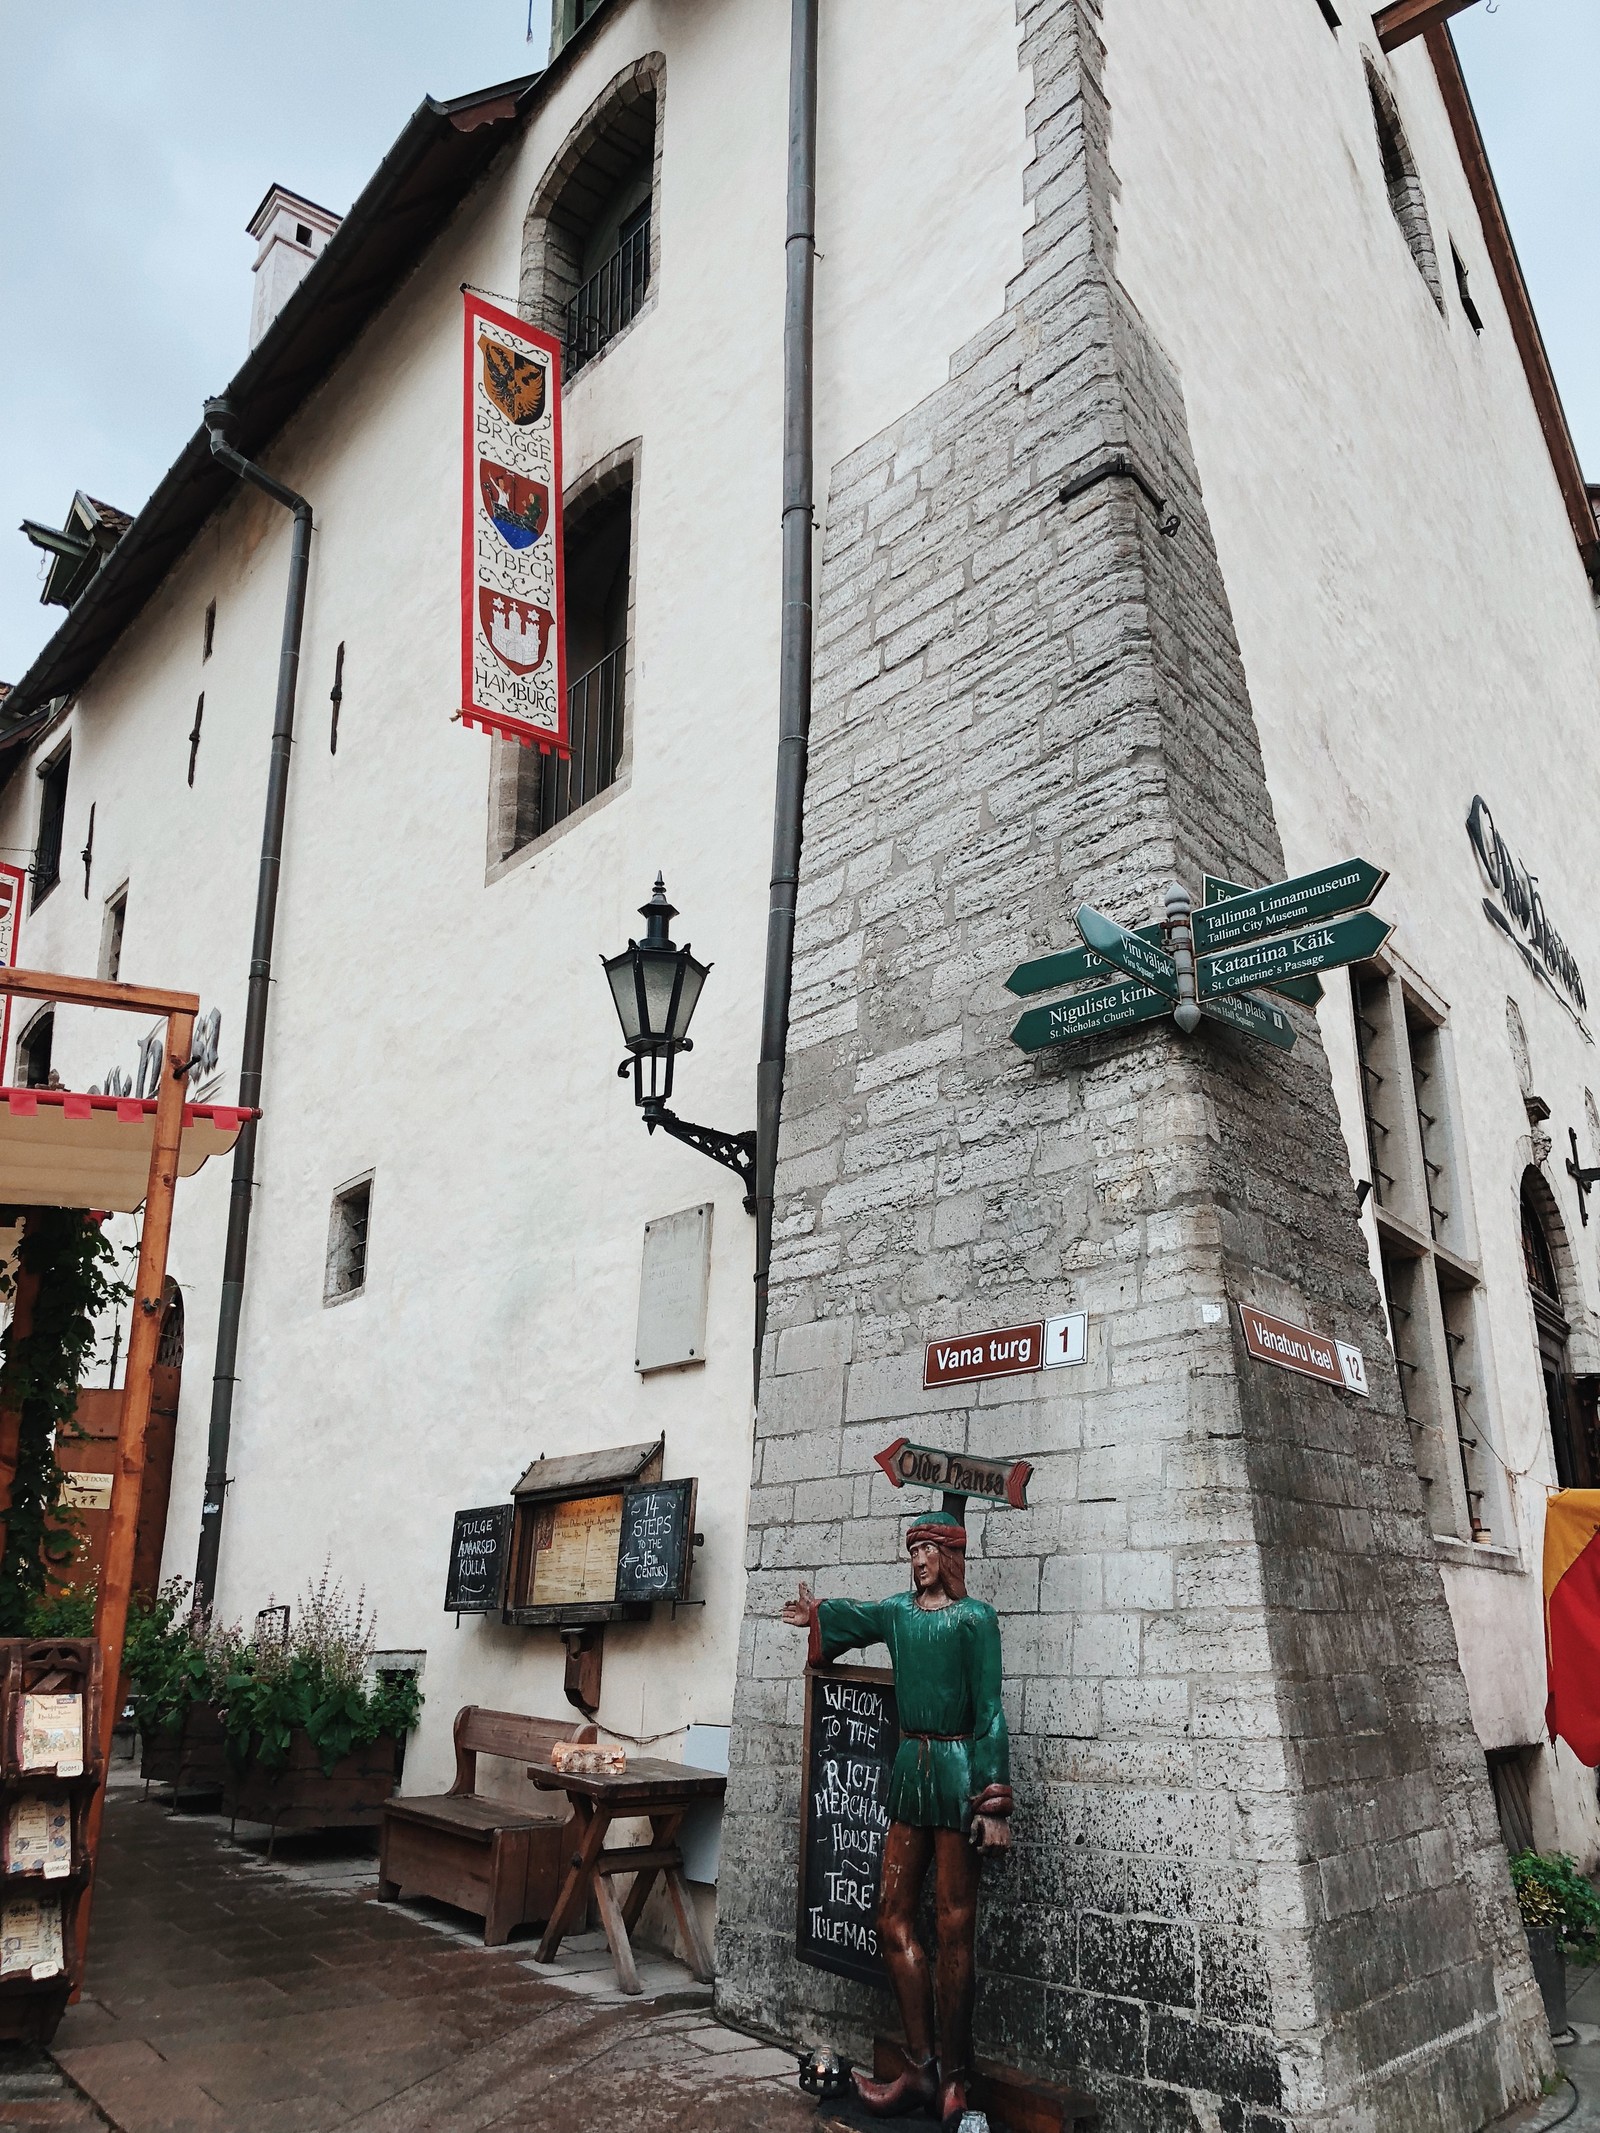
x=224 y=1993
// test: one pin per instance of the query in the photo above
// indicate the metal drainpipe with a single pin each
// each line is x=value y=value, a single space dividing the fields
x=237 y=1249
x=794 y=657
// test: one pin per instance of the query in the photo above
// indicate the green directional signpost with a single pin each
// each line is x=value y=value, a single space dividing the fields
x=1090 y=1013
x=1287 y=906
x=1341 y=940
x=1140 y=958
x=1212 y=958
x=1258 y=1018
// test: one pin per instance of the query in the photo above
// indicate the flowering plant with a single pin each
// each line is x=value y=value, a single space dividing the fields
x=314 y=1680
x=1556 y=1898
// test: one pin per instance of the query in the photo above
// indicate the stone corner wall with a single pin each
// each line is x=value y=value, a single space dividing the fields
x=1257 y=1879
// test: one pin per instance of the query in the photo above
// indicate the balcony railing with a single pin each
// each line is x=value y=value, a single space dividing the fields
x=608 y=299
x=594 y=727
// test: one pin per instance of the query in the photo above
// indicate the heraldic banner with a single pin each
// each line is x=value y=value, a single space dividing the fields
x=513 y=649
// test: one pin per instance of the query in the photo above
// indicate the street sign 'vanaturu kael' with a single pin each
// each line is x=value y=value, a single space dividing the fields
x=1109 y=1007
x=1257 y=1017
x=1141 y=959
x=1342 y=940
x=996 y=1480
x=1287 y=906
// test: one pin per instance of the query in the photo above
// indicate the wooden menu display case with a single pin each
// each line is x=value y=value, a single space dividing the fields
x=50 y=1770
x=599 y=1538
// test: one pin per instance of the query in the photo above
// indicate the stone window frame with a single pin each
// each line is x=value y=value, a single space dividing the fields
x=1432 y=1282
x=548 y=277
x=1407 y=201
x=619 y=469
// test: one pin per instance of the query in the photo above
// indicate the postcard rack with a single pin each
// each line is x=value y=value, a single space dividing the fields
x=50 y=1695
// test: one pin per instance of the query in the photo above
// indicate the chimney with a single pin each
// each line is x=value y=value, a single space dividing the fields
x=292 y=232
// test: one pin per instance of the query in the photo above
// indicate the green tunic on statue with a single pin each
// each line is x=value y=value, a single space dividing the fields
x=946 y=1682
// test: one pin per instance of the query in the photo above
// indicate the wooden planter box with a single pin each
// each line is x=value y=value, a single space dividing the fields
x=300 y=1796
x=194 y=1759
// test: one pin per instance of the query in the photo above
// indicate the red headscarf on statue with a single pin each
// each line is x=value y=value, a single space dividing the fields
x=949 y=1536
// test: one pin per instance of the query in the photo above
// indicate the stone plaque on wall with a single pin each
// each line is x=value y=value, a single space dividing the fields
x=673 y=1278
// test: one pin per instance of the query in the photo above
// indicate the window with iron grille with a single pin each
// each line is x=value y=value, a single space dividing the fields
x=1432 y=1284
x=346 y=1273
x=589 y=251
x=52 y=825
x=599 y=543
x=610 y=295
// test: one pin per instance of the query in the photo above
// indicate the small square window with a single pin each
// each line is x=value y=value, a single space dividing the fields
x=346 y=1273
x=302 y=233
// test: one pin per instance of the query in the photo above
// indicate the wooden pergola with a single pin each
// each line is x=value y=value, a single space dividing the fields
x=171 y=1103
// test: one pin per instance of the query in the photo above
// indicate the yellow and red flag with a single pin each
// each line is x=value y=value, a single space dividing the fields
x=1572 y=1620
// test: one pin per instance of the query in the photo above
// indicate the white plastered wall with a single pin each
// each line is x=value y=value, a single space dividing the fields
x=453 y=1037
x=1415 y=624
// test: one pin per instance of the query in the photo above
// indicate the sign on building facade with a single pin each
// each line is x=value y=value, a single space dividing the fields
x=513 y=651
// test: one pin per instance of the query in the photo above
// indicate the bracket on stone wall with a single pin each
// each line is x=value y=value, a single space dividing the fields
x=1119 y=467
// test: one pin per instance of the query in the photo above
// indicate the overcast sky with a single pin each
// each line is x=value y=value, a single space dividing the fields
x=136 y=141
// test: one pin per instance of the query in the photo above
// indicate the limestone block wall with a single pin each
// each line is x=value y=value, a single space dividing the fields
x=1257 y=1879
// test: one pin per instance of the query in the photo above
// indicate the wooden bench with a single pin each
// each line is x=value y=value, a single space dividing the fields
x=503 y=1861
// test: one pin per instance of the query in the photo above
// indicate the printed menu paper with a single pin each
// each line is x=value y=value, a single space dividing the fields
x=31 y=1944
x=51 y=1734
x=39 y=1838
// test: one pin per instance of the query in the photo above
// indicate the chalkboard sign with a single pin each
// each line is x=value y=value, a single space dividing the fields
x=656 y=1551
x=480 y=1552
x=852 y=1732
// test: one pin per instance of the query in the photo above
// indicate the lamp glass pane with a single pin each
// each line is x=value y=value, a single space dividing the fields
x=694 y=976
x=619 y=976
x=660 y=975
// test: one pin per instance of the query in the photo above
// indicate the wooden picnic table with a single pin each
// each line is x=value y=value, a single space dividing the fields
x=649 y=1789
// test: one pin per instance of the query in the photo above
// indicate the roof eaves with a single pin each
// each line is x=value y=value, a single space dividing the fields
x=397 y=214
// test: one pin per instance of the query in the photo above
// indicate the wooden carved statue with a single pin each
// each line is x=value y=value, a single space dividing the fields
x=949 y=1799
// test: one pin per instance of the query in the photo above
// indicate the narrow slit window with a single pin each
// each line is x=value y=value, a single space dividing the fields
x=346 y=1273
x=1474 y=316
x=209 y=634
x=1330 y=13
x=335 y=700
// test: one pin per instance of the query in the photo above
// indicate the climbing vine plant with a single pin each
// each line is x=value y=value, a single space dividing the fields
x=42 y=1370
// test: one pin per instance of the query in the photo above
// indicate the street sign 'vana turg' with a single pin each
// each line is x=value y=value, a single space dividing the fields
x=1202 y=963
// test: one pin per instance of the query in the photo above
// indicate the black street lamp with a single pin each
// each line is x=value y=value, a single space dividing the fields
x=655 y=987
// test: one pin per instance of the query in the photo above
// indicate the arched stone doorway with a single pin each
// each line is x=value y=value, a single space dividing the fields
x=1570 y=1404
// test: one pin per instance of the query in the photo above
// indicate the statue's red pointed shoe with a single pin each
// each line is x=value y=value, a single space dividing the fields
x=953 y=2104
x=915 y=2090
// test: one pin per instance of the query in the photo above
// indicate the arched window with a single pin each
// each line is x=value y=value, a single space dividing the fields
x=1569 y=1401
x=590 y=249
x=1404 y=187
x=33 y=1050
x=532 y=794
